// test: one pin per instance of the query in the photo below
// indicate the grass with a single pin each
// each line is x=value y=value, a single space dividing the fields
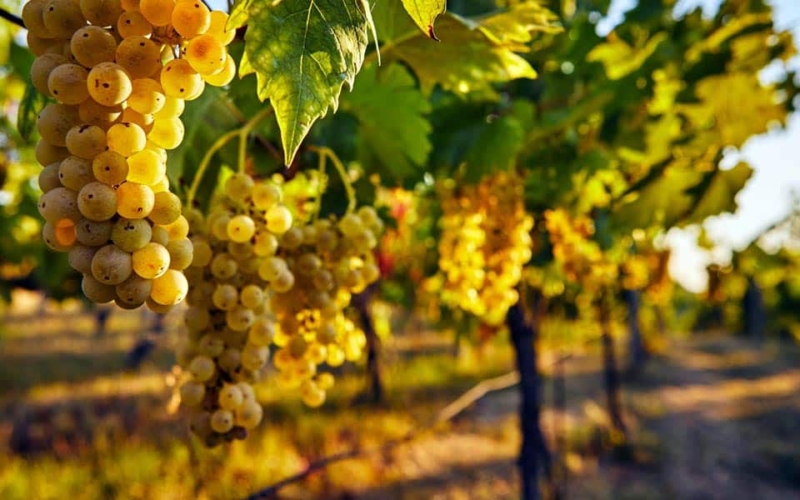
x=106 y=434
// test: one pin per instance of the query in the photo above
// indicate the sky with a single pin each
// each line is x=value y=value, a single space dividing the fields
x=775 y=158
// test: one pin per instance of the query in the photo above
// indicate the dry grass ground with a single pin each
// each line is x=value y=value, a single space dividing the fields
x=710 y=418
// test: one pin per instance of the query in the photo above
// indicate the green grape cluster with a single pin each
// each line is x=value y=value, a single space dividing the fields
x=485 y=243
x=110 y=66
x=260 y=278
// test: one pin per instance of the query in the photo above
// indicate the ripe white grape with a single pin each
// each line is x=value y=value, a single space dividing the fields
x=191 y=18
x=170 y=288
x=126 y=138
x=110 y=168
x=111 y=265
x=97 y=201
x=151 y=261
x=42 y=67
x=101 y=12
x=91 y=112
x=74 y=173
x=134 y=291
x=54 y=121
x=48 y=177
x=93 y=233
x=92 y=45
x=180 y=80
x=131 y=235
x=192 y=393
x=59 y=203
x=86 y=141
x=109 y=83
x=62 y=18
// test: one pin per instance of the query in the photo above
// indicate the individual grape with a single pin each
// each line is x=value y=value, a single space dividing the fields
x=126 y=138
x=284 y=282
x=101 y=12
x=179 y=229
x=192 y=393
x=205 y=54
x=134 y=201
x=47 y=153
x=109 y=83
x=241 y=228
x=311 y=394
x=62 y=18
x=271 y=268
x=74 y=173
x=180 y=80
x=133 y=23
x=190 y=18
x=147 y=96
x=41 y=68
x=86 y=141
x=325 y=381
x=350 y=225
x=59 y=203
x=239 y=319
x=96 y=291
x=93 y=233
x=266 y=244
x=157 y=12
x=151 y=261
x=229 y=360
x=111 y=265
x=131 y=235
x=91 y=112
x=218 y=27
x=230 y=397
x=48 y=177
x=292 y=239
x=279 y=219
x=249 y=414
x=202 y=368
x=65 y=233
x=54 y=121
x=167 y=133
x=32 y=17
x=169 y=288
x=252 y=296
x=134 y=291
x=254 y=357
x=110 y=167
x=173 y=108
x=202 y=254
x=40 y=46
x=51 y=238
x=238 y=187
x=146 y=167
x=166 y=208
x=160 y=186
x=225 y=75
x=221 y=420
x=180 y=254
x=80 y=258
x=266 y=195
x=262 y=332
x=97 y=201
x=145 y=122
x=225 y=297
x=92 y=45
x=130 y=5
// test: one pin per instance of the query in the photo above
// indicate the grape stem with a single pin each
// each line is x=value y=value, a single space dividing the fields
x=327 y=153
x=242 y=133
x=8 y=16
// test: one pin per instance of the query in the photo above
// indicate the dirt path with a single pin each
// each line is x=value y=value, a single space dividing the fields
x=713 y=419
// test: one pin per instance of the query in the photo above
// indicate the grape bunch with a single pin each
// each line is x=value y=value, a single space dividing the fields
x=485 y=243
x=577 y=254
x=119 y=88
x=260 y=278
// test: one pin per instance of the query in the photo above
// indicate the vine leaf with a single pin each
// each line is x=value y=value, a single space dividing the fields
x=424 y=13
x=393 y=129
x=467 y=60
x=302 y=53
x=29 y=107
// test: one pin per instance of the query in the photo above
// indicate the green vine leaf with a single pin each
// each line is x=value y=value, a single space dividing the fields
x=393 y=129
x=302 y=53
x=424 y=13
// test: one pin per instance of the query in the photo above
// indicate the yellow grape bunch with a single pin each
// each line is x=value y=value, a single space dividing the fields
x=259 y=279
x=577 y=254
x=484 y=244
x=120 y=72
